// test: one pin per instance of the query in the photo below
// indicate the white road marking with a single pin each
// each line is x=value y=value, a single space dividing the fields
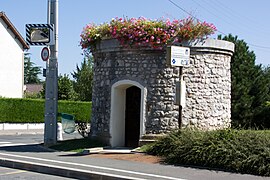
x=15 y=172
x=74 y=169
x=12 y=144
x=92 y=166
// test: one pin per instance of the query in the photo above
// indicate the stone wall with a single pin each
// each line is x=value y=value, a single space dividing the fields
x=208 y=92
x=207 y=79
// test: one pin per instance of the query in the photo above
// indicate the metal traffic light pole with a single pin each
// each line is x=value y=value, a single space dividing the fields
x=51 y=92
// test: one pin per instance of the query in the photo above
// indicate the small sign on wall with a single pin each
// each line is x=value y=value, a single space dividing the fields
x=178 y=56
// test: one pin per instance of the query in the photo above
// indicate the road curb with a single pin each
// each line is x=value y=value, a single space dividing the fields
x=60 y=171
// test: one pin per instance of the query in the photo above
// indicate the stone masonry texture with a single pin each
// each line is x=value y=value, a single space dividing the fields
x=208 y=85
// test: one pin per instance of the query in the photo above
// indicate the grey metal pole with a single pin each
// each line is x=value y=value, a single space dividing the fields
x=51 y=92
x=180 y=106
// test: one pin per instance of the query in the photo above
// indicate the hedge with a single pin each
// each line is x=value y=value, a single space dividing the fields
x=32 y=110
x=242 y=151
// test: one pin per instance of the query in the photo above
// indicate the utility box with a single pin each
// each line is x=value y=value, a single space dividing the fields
x=180 y=93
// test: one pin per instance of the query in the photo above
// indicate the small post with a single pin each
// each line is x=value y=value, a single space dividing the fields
x=180 y=106
x=179 y=56
x=59 y=132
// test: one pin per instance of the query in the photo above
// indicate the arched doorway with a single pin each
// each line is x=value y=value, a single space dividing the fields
x=132 y=116
x=128 y=101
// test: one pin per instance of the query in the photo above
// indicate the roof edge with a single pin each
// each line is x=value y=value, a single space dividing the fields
x=14 y=30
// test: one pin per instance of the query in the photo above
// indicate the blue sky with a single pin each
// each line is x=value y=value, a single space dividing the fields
x=249 y=20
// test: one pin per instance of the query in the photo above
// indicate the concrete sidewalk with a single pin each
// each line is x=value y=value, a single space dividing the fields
x=73 y=165
x=21 y=128
x=68 y=164
x=21 y=131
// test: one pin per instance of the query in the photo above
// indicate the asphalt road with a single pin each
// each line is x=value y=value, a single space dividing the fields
x=21 y=138
x=6 y=140
x=35 y=154
x=17 y=141
x=16 y=174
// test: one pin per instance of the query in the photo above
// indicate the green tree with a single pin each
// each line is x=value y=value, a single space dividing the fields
x=249 y=88
x=65 y=88
x=31 y=71
x=83 y=77
x=261 y=93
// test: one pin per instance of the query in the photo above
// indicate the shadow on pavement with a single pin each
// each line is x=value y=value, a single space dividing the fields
x=26 y=148
x=72 y=155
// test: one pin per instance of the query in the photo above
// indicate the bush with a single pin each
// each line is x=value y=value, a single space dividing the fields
x=81 y=110
x=243 y=151
x=32 y=110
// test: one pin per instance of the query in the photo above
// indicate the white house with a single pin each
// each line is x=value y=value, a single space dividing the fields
x=12 y=46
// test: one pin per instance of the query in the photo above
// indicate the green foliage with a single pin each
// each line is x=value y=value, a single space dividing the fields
x=83 y=77
x=31 y=71
x=21 y=110
x=250 y=88
x=65 y=88
x=81 y=110
x=32 y=110
x=245 y=151
x=32 y=95
x=43 y=91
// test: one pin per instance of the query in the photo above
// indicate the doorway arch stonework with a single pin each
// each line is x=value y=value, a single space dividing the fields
x=118 y=107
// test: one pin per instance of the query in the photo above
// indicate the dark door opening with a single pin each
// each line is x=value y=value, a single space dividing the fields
x=132 y=120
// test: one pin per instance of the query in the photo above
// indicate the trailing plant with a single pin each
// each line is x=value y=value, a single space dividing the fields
x=142 y=31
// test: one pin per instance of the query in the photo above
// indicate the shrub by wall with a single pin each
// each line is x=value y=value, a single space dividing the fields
x=81 y=110
x=243 y=151
x=32 y=110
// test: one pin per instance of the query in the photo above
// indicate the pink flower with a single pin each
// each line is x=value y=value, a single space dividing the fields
x=144 y=31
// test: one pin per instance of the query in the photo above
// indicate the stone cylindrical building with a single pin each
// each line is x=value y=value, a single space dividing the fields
x=134 y=91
